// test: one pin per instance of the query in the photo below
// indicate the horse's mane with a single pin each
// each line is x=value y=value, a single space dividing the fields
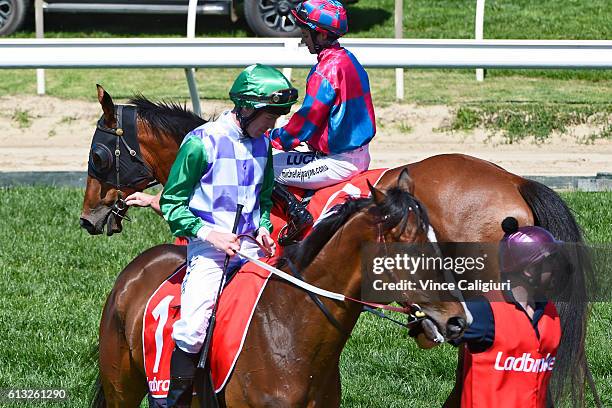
x=171 y=118
x=394 y=210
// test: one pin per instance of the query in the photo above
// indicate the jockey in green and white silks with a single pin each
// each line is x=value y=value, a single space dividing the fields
x=219 y=169
x=219 y=165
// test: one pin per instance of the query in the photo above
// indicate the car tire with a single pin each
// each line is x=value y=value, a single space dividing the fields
x=12 y=14
x=271 y=18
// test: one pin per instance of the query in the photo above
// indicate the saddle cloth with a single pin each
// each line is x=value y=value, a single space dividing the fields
x=237 y=303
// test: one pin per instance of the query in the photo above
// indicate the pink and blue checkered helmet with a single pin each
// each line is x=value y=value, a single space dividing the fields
x=322 y=16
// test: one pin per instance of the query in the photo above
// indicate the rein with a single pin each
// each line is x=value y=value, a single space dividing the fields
x=413 y=311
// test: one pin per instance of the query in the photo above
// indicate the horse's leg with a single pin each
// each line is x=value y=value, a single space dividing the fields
x=121 y=357
x=123 y=383
x=333 y=392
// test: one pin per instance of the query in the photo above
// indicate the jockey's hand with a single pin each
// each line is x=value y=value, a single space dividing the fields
x=224 y=241
x=264 y=238
x=140 y=199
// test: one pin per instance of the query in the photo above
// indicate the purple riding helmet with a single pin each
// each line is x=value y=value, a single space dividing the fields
x=524 y=246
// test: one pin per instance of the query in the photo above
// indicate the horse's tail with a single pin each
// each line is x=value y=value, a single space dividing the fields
x=551 y=212
x=98 y=400
x=97 y=394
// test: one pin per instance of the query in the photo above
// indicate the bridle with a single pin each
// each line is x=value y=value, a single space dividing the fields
x=412 y=310
x=124 y=167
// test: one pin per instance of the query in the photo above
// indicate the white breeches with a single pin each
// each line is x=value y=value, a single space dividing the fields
x=199 y=291
x=312 y=171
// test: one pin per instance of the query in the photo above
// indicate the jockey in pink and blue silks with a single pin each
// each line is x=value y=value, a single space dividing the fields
x=336 y=120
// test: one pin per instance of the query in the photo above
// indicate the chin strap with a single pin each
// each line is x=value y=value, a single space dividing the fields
x=320 y=46
x=313 y=37
x=245 y=121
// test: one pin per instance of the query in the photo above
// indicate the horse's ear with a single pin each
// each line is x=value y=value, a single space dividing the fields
x=108 y=106
x=377 y=195
x=405 y=182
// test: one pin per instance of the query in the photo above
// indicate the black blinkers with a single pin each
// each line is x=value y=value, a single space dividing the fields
x=112 y=159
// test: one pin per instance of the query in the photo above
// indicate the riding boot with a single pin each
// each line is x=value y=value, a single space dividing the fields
x=182 y=371
x=299 y=220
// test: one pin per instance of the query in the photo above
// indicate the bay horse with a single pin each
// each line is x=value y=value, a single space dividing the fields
x=466 y=199
x=289 y=339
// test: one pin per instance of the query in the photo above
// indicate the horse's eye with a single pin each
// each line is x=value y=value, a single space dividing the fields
x=101 y=157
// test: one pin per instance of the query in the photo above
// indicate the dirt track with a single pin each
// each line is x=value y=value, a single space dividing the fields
x=54 y=135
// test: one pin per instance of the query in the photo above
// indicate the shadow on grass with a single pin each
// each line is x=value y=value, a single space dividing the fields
x=132 y=25
x=363 y=19
x=102 y=25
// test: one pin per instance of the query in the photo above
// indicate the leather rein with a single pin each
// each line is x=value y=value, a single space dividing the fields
x=413 y=311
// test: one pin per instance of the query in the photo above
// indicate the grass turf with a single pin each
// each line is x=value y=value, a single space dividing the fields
x=504 y=19
x=55 y=278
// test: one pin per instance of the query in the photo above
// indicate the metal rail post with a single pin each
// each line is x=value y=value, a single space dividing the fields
x=399 y=33
x=479 y=28
x=40 y=33
x=190 y=72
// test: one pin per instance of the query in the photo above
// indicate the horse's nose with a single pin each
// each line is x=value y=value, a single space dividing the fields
x=89 y=227
x=455 y=327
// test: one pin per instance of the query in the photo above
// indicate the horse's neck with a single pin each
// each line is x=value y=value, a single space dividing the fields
x=158 y=151
x=294 y=326
x=337 y=267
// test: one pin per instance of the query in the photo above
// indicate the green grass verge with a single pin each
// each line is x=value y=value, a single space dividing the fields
x=504 y=19
x=520 y=121
x=448 y=87
x=54 y=279
x=517 y=107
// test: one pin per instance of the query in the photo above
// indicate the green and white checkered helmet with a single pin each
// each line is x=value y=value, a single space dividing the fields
x=260 y=86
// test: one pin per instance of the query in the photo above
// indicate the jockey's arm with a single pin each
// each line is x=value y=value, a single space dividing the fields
x=312 y=116
x=265 y=206
x=155 y=202
x=184 y=175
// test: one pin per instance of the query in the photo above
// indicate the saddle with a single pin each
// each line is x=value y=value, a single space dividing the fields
x=319 y=204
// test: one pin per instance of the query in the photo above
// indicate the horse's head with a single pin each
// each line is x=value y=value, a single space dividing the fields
x=401 y=218
x=133 y=146
x=116 y=167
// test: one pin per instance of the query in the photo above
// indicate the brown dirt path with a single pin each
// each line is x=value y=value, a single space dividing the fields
x=50 y=134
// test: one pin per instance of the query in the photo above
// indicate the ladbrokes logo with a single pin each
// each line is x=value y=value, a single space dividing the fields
x=524 y=363
x=156 y=385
